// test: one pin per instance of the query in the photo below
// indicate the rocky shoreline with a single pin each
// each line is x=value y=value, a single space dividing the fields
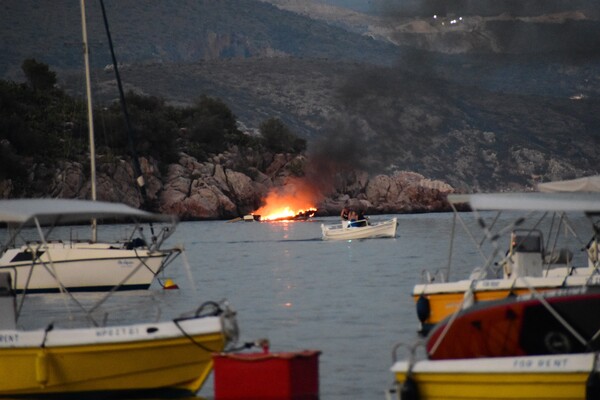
x=217 y=189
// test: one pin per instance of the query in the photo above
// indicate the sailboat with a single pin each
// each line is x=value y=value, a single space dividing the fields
x=83 y=265
x=45 y=264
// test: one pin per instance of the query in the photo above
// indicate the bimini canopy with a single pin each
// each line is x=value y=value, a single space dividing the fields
x=531 y=201
x=587 y=184
x=59 y=211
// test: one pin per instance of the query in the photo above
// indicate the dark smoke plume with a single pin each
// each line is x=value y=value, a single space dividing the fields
x=340 y=151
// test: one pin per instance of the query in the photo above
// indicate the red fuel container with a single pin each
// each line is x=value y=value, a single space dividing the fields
x=267 y=376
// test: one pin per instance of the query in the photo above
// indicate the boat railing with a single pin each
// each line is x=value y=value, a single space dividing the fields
x=399 y=390
x=430 y=277
x=479 y=273
x=411 y=347
x=337 y=226
x=351 y=224
x=222 y=309
x=358 y=223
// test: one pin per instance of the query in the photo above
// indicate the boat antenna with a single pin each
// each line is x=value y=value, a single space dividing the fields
x=136 y=162
x=88 y=85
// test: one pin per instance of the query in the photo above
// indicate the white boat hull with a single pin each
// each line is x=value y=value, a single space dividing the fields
x=81 y=266
x=385 y=229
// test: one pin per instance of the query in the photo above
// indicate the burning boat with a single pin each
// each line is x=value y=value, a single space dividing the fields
x=293 y=202
x=286 y=215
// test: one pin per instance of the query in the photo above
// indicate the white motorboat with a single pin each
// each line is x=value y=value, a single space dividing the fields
x=50 y=265
x=539 y=254
x=363 y=229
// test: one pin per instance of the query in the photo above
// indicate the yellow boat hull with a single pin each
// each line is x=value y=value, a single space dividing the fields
x=177 y=364
x=443 y=305
x=530 y=378
x=164 y=356
x=495 y=387
x=443 y=299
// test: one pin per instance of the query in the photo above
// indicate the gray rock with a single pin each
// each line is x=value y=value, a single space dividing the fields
x=225 y=187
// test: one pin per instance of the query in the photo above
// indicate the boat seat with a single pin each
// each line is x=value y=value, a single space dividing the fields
x=525 y=256
x=7 y=302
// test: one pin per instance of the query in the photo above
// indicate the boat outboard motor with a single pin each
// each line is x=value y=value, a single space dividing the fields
x=7 y=302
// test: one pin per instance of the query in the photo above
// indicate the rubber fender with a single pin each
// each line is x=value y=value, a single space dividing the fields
x=592 y=386
x=409 y=390
x=423 y=308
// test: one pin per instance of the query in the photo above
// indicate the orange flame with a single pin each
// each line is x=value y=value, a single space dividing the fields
x=288 y=202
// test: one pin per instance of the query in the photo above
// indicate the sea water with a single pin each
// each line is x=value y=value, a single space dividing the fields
x=349 y=299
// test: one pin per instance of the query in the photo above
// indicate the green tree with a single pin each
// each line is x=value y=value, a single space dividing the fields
x=38 y=75
x=277 y=137
x=153 y=129
x=36 y=123
x=212 y=127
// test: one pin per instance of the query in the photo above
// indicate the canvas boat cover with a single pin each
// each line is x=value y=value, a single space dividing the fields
x=531 y=201
x=587 y=184
x=23 y=211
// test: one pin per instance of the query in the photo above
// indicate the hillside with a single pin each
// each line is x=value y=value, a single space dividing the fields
x=177 y=31
x=384 y=119
x=460 y=27
x=493 y=116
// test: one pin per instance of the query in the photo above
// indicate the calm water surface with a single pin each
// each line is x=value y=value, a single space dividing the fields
x=351 y=300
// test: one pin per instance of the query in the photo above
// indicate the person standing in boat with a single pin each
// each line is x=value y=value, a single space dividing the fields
x=344 y=214
x=352 y=219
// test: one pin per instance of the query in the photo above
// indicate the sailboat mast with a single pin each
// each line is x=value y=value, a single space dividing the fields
x=134 y=156
x=88 y=85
